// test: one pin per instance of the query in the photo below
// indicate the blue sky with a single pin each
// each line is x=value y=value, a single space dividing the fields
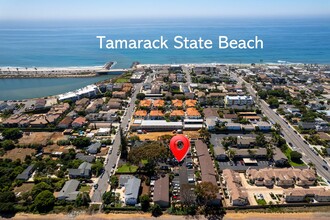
x=109 y=9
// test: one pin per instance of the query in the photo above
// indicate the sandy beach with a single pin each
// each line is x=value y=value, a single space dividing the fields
x=49 y=72
x=229 y=216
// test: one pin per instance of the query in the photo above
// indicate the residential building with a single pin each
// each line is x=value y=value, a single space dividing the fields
x=156 y=115
x=284 y=177
x=65 y=123
x=177 y=103
x=193 y=113
x=237 y=194
x=304 y=195
x=211 y=122
x=25 y=175
x=132 y=188
x=263 y=126
x=94 y=148
x=161 y=191
x=84 y=171
x=177 y=114
x=238 y=100
x=69 y=191
x=79 y=122
x=140 y=114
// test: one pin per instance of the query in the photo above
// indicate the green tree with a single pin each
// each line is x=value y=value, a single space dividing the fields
x=296 y=156
x=156 y=210
x=97 y=168
x=261 y=140
x=7 y=201
x=82 y=199
x=205 y=193
x=12 y=133
x=108 y=198
x=123 y=145
x=38 y=188
x=231 y=154
x=44 y=202
x=273 y=102
x=114 y=182
x=140 y=96
x=81 y=142
x=7 y=145
x=145 y=202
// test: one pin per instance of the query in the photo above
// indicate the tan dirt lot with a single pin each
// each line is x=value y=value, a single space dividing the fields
x=19 y=153
x=155 y=135
x=229 y=216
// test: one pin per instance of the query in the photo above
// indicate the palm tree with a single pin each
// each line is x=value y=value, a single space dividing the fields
x=277 y=127
x=231 y=153
x=205 y=134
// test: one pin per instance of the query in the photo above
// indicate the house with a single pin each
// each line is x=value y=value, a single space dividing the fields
x=141 y=114
x=103 y=131
x=210 y=112
x=211 y=122
x=79 y=122
x=237 y=195
x=137 y=78
x=279 y=158
x=87 y=158
x=251 y=153
x=245 y=142
x=159 y=103
x=233 y=126
x=263 y=126
x=155 y=89
x=120 y=95
x=177 y=103
x=207 y=168
x=84 y=171
x=301 y=195
x=82 y=102
x=156 y=115
x=238 y=100
x=69 y=191
x=175 y=114
x=146 y=103
x=161 y=191
x=307 y=125
x=65 y=123
x=284 y=177
x=25 y=175
x=190 y=103
x=94 y=148
x=192 y=113
x=220 y=153
x=206 y=164
x=132 y=188
x=114 y=105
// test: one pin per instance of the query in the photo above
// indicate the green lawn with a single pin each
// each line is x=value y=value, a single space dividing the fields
x=294 y=164
x=127 y=169
x=122 y=80
x=84 y=189
x=261 y=202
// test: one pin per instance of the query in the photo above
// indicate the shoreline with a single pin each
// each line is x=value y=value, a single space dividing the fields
x=93 y=71
x=48 y=72
x=124 y=216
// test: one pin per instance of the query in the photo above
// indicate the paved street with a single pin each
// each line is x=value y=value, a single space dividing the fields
x=292 y=137
x=113 y=157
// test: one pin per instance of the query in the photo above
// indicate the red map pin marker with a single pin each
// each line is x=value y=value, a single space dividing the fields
x=179 y=153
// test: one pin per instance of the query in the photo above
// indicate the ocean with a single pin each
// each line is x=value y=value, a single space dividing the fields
x=74 y=43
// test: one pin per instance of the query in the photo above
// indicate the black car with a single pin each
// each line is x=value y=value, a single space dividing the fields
x=325 y=167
